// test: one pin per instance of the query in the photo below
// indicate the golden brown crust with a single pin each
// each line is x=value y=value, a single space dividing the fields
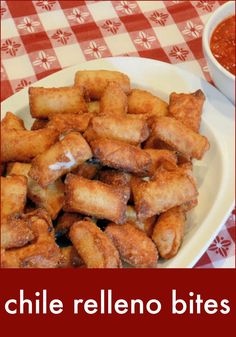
x=13 y=195
x=87 y=170
x=94 y=247
x=181 y=138
x=61 y=158
x=70 y=258
x=143 y=102
x=122 y=156
x=187 y=108
x=94 y=107
x=133 y=245
x=94 y=198
x=146 y=225
x=169 y=189
x=11 y=121
x=114 y=101
x=24 y=145
x=116 y=178
x=158 y=157
x=49 y=101
x=133 y=131
x=67 y=122
x=96 y=81
x=15 y=232
x=65 y=221
x=169 y=231
x=51 y=197
x=43 y=252
x=39 y=124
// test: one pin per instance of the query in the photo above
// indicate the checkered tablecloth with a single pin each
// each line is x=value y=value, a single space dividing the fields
x=41 y=37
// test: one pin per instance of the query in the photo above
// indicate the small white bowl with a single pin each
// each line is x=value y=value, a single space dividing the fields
x=223 y=79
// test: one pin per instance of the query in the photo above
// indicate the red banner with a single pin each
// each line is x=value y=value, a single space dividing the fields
x=109 y=302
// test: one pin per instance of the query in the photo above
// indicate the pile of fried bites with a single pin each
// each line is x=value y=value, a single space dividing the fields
x=103 y=176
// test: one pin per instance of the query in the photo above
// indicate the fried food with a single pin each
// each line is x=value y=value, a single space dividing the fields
x=45 y=102
x=94 y=247
x=43 y=252
x=146 y=225
x=94 y=107
x=187 y=108
x=88 y=169
x=169 y=189
x=114 y=101
x=133 y=245
x=96 y=81
x=24 y=145
x=65 y=222
x=15 y=233
x=143 y=102
x=158 y=157
x=70 y=121
x=13 y=195
x=51 y=197
x=70 y=258
x=39 y=124
x=121 y=156
x=11 y=121
x=118 y=128
x=169 y=231
x=61 y=158
x=94 y=198
x=181 y=138
x=116 y=178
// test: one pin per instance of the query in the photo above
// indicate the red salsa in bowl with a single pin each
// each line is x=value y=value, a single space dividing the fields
x=222 y=44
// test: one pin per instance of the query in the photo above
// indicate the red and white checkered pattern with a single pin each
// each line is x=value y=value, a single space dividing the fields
x=41 y=37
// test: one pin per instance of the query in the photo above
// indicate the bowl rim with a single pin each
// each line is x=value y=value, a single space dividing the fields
x=206 y=44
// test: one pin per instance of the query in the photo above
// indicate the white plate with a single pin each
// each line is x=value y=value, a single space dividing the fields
x=215 y=173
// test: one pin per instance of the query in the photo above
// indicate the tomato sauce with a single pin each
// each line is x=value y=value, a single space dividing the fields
x=222 y=44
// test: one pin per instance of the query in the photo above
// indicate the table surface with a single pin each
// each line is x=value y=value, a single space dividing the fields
x=41 y=37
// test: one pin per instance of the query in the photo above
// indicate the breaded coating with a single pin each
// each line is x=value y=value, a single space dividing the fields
x=67 y=122
x=65 y=221
x=133 y=245
x=87 y=170
x=181 y=138
x=94 y=107
x=11 y=121
x=61 y=158
x=114 y=101
x=70 y=258
x=116 y=178
x=39 y=124
x=94 y=198
x=96 y=81
x=187 y=108
x=24 y=145
x=143 y=102
x=121 y=156
x=15 y=232
x=169 y=189
x=94 y=247
x=13 y=195
x=158 y=157
x=133 y=131
x=43 y=252
x=169 y=231
x=49 y=101
x=51 y=197
x=146 y=225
